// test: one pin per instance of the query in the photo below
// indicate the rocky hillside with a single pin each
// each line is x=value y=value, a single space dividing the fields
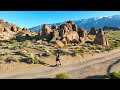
x=9 y=31
x=97 y=22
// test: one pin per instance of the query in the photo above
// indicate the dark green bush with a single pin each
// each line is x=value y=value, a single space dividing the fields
x=114 y=75
x=109 y=48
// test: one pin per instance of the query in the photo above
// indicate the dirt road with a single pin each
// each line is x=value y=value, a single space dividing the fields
x=92 y=67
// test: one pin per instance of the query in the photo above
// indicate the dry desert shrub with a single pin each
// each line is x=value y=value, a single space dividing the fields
x=11 y=59
x=62 y=76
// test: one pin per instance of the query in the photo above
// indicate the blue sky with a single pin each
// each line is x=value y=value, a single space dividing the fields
x=30 y=19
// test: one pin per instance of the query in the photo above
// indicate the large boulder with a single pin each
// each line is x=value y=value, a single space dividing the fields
x=19 y=29
x=1 y=21
x=23 y=33
x=58 y=43
x=46 y=32
x=24 y=29
x=7 y=30
x=73 y=25
x=14 y=28
x=101 y=38
x=84 y=34
x=67 y=27
x=6 y=35
x=1 y=28
x=70 y=21
x=82 y=40
x=54 y=27
x=55 y=34
x=33 y=33
x=64 y=29
x=72 y=37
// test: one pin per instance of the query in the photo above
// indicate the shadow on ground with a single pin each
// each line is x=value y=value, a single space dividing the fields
x=110 y=67
x=17 y=53
x=26 y=60
x=97 y=77
x=43 y=78
x=45 y=64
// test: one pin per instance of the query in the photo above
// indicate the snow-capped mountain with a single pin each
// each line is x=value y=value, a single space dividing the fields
x=97 y=22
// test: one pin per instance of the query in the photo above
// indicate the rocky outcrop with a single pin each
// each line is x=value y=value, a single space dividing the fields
x=55 y=34
x=58 y=43
x=72 y=37
x=101 y=38
x=23 y=33
x=73 y=25
x=70 y=21
x=24 y=29
x=14 y=28
x=33 y=33
x=1 y=21
x=54 y=27
x=10 y=31
x=82 y=40
x=63 y=30
x=83 y=34
x=1 y=28
x=19 y=29
x=67 y=27
x=7 y=30
x=46 y=32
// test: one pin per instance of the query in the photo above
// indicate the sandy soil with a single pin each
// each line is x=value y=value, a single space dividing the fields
x=77 y=67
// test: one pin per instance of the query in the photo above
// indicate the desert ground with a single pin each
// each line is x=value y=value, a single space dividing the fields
x=77 y=67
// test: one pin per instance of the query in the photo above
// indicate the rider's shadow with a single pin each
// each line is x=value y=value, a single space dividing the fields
x=45 y=64
x=53 y=65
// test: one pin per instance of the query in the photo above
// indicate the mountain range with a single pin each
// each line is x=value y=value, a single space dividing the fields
x=97 y=22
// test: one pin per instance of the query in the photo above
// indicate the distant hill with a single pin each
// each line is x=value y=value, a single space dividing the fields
x=97 y=22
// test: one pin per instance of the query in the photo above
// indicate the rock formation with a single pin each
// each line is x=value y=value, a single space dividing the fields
x=72 y=37
x=63 y=30
x=55 y=34
x=14 y=28
x=54 y=27
x=19 y=29
x=1 y=28
x=101 y=38
x=83 y=34
x=46 y=32
x=73 y=25
x=58 y=43
x=1 y=21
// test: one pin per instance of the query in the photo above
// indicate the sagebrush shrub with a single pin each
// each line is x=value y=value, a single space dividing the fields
x=62 y=76
x=114 y=75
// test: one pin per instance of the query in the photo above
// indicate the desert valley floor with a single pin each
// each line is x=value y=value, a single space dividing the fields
x=89 y=67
